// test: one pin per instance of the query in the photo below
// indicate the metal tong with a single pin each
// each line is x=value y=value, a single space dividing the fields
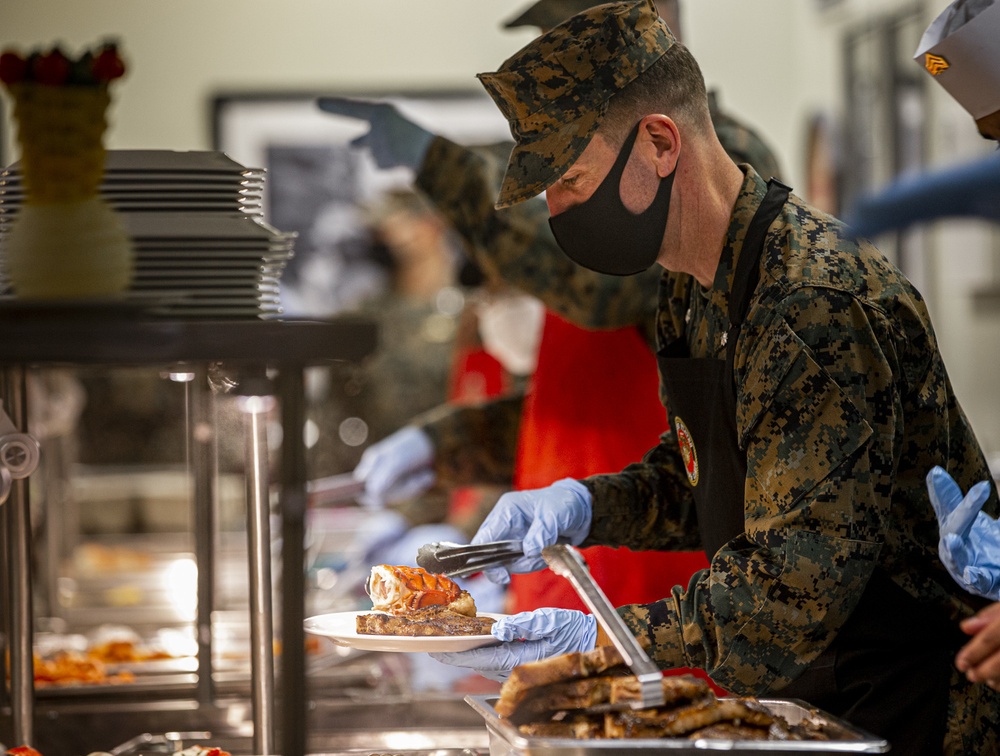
x=566 y=561
x=456 y=560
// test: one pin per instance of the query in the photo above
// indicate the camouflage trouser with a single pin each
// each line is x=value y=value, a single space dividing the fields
x=973 y=719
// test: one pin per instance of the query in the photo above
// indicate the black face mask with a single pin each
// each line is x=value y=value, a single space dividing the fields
x=603 y=235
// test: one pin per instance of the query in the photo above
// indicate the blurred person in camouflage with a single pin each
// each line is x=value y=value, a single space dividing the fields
x=594 y=390
x=807 y=399
x=418 y=319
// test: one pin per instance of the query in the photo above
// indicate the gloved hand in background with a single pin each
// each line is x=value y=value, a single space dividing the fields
x=394 y=140
x=527 y=637
x=969 y=542
x=397 y=467
x=538 y=518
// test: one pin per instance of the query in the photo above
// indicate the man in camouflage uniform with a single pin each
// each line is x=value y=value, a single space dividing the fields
x=828 y=391
x=476 y=444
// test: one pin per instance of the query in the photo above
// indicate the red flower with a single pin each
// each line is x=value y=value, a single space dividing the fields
x=108 y=65
x=52 y=68
x=12 y=67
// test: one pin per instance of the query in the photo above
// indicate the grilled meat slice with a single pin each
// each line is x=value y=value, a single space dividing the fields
x=676 y=690
x=431 y=620
x=581 y=727
x=540 y=702
x=663 y=723
x=573 y=666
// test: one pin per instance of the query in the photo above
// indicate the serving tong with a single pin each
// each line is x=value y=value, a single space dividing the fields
x=457 y=560
x=566 y=561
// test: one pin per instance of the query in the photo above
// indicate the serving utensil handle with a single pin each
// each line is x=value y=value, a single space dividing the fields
x=566 y=561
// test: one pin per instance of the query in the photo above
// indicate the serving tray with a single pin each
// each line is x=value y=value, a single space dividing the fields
x=505 y=740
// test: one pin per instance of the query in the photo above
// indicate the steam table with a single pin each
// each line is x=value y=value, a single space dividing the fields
x=40 y=334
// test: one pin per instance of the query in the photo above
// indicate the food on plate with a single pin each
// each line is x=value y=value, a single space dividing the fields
x=71 y=668
x=99 y=664
x=411 y=601
x=122 y=651
x=199 y=750
x=567 y=696
x=22 y=750
x=400 y=590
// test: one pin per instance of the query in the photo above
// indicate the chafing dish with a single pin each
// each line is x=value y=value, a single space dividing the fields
x=506 y=740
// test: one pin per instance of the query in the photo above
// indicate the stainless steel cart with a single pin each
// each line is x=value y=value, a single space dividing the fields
x=275 y=354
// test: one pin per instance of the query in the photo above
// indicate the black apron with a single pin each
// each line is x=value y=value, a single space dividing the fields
x=889 y=668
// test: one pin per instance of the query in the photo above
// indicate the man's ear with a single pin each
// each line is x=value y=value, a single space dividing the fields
x=664 y=137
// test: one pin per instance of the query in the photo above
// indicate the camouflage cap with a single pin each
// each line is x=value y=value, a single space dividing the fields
x=548 y=13
x=555 y=91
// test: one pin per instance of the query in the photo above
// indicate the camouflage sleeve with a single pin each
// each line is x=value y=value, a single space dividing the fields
x=517 y=246
x=647 y=506
x=818 y=416
x=474 y=444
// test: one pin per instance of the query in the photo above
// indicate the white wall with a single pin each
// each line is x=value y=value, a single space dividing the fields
x=773 y=63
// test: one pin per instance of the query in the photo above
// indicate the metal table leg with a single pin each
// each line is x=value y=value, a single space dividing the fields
x=293 y=505
x=259 y=547
x=22 y=689
x=202 y=464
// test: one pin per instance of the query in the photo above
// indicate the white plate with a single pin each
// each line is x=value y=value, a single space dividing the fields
x=341 y=627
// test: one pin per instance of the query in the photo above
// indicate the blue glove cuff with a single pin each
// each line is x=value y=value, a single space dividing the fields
x=589 y=638
x=586 y=501
x=572 y=484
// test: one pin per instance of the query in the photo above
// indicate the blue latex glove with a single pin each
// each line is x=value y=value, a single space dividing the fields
x=393 y=139
x=397 y=467
x=969 y=542
x=528 y=637
x=538 y=518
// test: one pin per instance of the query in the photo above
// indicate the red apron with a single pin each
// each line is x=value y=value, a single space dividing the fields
x=592 y=408
x=476 y=376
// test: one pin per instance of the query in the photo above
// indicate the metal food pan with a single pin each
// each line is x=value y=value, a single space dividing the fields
x=505 y=740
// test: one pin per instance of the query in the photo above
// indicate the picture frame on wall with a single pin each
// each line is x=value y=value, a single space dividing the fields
x=319 y=185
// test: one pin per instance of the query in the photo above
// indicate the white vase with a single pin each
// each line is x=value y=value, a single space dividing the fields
x=67 y=250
